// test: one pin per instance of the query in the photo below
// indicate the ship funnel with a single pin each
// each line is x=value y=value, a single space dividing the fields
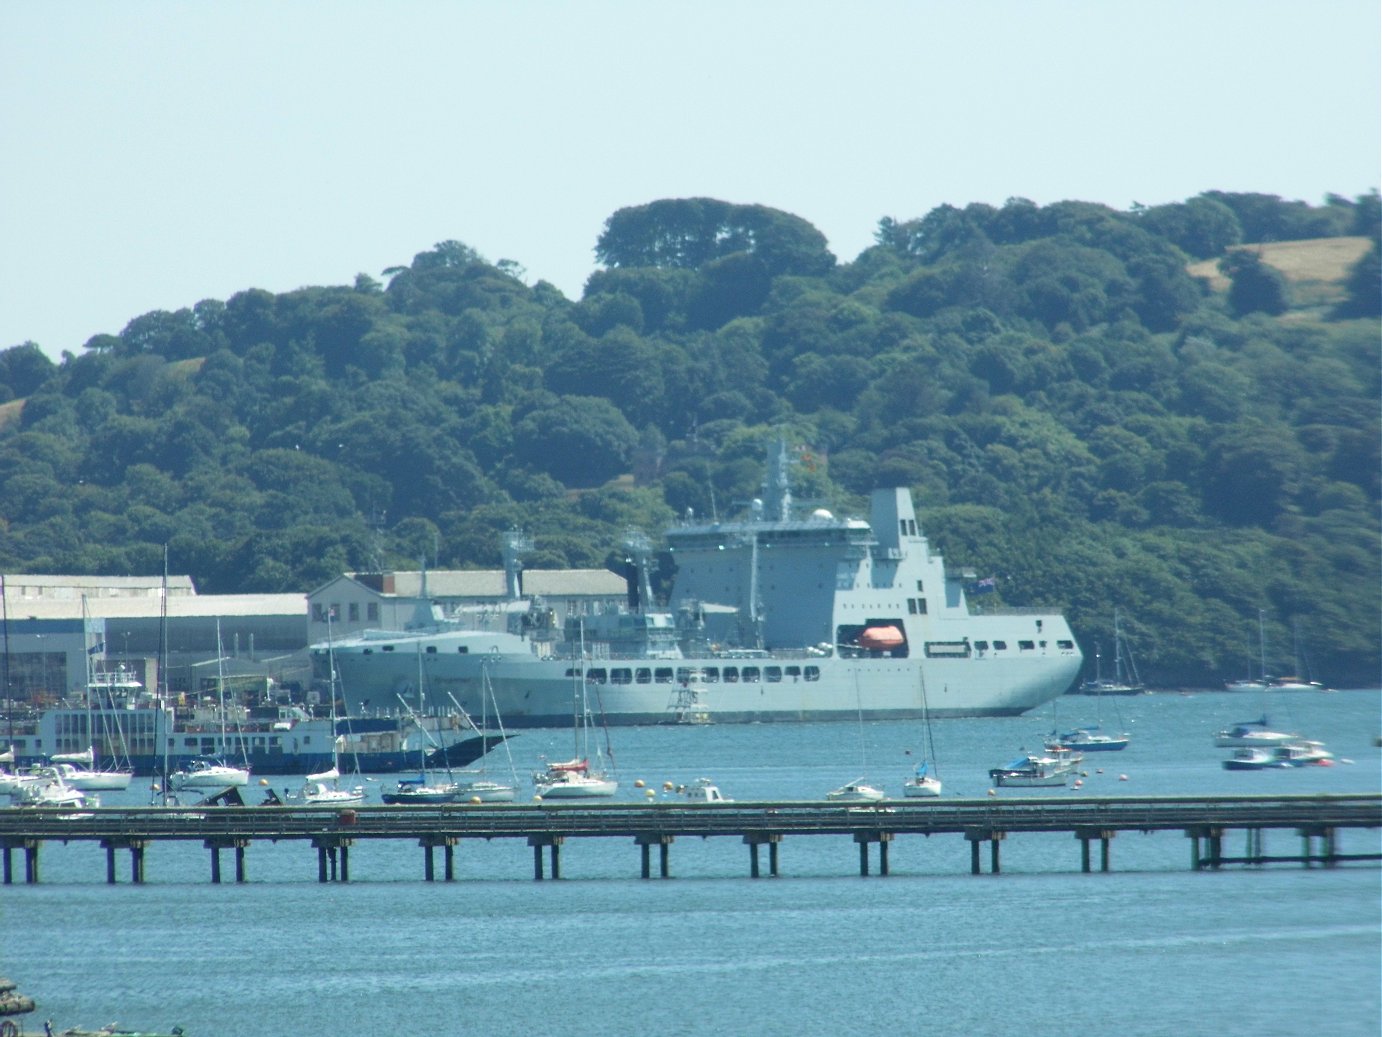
x=514 y=546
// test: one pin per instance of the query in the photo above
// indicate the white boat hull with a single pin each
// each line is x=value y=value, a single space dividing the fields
x=578 y=786
x=921 y=788
x=210 y=778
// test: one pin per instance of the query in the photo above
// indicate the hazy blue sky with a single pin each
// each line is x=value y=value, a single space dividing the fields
x=156 y=153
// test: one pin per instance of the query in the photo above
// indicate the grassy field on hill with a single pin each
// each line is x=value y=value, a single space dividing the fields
x=1315 y=269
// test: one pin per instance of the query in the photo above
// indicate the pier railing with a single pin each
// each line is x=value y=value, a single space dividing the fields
x=1205 y=819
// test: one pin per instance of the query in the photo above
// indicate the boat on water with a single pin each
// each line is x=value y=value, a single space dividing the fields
x=577 y=778
x=782 y=615
x=856 y=791
x=1034 y=770
x=924 y=783
x=1291 y=683
x=48 y=789
x=1091 y=739
x=275 y=738
x=1125 y=680
x=702 y=790
x=1302 y=753
x=1251 y=733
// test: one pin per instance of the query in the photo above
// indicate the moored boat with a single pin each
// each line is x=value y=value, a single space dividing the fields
x=856 y=791
x=751 y=615
x=1088 y=739
x=1034 y=770
x=1250 y=733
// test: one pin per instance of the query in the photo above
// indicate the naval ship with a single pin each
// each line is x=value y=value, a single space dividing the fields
x=772 y=617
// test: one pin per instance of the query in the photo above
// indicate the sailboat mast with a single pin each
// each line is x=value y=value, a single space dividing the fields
x=5 y=618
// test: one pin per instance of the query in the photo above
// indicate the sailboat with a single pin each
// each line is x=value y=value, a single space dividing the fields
x=923 y=784
x=80 y=770
x=859 y=790
x=480 y=789
x=424 y=789
x=1126 y=680
x=1089 y=737
x=1295 y=683
x=207 y=772
x=324 y=788
x=574 y=778
x=1258 y=683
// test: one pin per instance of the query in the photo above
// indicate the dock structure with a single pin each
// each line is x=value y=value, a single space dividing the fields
x=1317 y=820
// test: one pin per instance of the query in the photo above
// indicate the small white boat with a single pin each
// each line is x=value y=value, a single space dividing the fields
x=1251 y=733
x=1032 y=770
x=88 y=780
x=325 y=790
x=208 y=773
x=1303 y=753
x=702 y=790
x=1250 y=758
x=922 y=785
x=1295 y=684
x=484 y=791
x=49 y=790
x=1245 y=684
x=856 y=791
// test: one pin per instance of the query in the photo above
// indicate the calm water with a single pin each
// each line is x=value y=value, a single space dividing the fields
x=1150 y=948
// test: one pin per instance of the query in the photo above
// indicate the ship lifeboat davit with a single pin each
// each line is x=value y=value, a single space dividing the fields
x=881 y=639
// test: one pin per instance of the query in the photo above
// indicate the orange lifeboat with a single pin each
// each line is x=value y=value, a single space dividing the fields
x=881 y=639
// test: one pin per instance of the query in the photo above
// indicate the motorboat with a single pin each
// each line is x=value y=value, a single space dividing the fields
x=1250 y=758
x=856 y=791
x=702 y=790
x=1037 y=770
x=1088 y=739
x=922 y=784
x=208 y=773
x=1250 y=733
x=1303 y=753
x=49 y=790
x=1245 y=684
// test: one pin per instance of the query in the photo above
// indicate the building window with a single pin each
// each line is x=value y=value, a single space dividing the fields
x=912 y=606
x=372 y=611
x=318 y=612
x=354 y=607
x=921 y=605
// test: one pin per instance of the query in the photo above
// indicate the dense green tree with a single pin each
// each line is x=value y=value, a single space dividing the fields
x=1256 y=287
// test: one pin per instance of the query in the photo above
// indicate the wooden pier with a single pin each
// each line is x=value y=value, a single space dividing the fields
x=547 y=827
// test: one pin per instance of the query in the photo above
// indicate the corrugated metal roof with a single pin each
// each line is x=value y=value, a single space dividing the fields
x=489 y=583
x=43 y=586
x=191 y=606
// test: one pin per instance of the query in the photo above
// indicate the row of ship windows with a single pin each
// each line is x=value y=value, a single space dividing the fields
x=709 y=674
x=645 y=676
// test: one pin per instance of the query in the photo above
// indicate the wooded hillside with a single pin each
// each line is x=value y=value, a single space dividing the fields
x=1150 y=410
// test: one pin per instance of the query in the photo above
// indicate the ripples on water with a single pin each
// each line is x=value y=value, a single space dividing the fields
x=1148 y=949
